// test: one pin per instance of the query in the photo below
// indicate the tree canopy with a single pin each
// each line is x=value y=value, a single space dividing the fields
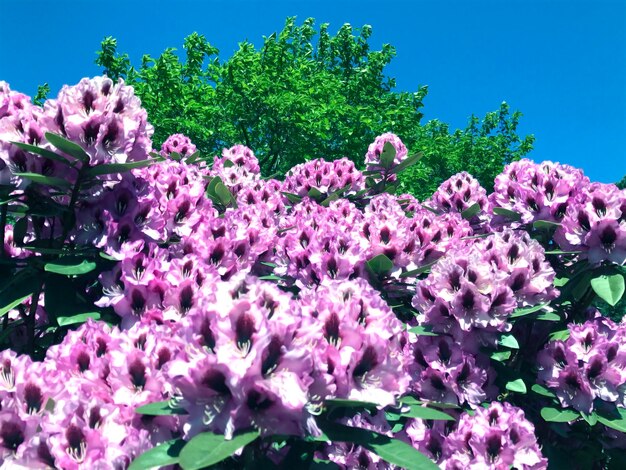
x=306 y=94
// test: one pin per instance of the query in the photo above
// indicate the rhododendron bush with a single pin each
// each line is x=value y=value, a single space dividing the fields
x=165 y=309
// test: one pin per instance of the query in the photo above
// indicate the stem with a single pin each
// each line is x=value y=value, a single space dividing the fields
x=30 y=318
x=3 y=223
x=73 y=199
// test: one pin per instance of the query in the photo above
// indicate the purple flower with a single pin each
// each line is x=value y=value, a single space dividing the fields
x=596 y=224
x=178 y=143
x=537 y=191
x=495 y=437
x=323 y=176
x=589 y=365
x=375 y=150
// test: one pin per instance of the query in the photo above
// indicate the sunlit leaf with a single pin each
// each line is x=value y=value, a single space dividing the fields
x=67 y=146
x=609 y=288
x=517 y=385
x=160 y=408
x=160 y=456
x=70 y=266
x=557 y=415
x=207 y=449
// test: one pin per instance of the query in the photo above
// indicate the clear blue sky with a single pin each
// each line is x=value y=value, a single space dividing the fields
x=562 y=63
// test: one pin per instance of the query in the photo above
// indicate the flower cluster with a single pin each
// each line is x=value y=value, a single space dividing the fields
x=588 y=366
x=244 y=363
x=148 y=205
x=479 y=286
x=496 y=437
x=21 y=121
x=178 y=143
x=537 y=191
x=375 y=151
x=325 y=177
x=596 y=224
x=238 y=167
x=459 y=193
x=76 y=409
x=104 y=117
x=442 y=371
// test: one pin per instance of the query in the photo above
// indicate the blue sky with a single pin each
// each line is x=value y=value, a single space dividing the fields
x=562 y=63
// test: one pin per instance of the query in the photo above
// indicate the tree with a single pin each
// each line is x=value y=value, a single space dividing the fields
x=622 y=183
x=481 y=149
x=300 y=97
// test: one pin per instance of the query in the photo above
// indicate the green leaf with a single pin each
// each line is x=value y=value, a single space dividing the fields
x=315 y=194
x=560 y=281
x=388 y=155
x=208 y=449
x=286 y=229
x=609 y=288
x=326 y=202
x=418 y=271
x=422 y=330
x=509 y=341
x=471 y=211
x=391 y=450
x=42 y=151
x=509 y=214
x=159 y=408
x=500 y=356
x=560 y=335
x=424 y=412
x=114 y=168
x=271 y=277
x=159 y=456
x=379 y=265
x=561 y=252
x=517 y=385
x=407 y=162
x=292 y=198
x=18 y=287
x=224 y=195
x=591 y=419
x=548 y=316
x=409 y=400
x=545 y=225
x=70 y=266
x=45 y=180
x=617 y=422
x=212 y=184
x=193 y=157
x=12 y=305
x=520 y=312
x=77 y=319
x=543 y=391
x=67 y=146
x=557 y=415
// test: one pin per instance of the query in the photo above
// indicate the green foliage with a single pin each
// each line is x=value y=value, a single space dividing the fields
x=42 y=94
x=481 y=149
x=306 y=94
x=62 y=272
x=621 y=184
